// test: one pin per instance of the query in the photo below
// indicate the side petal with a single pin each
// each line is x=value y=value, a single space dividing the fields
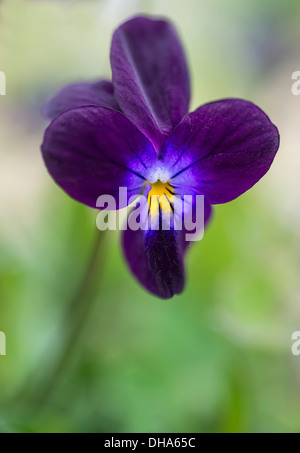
x=82 y=94
x=93 y=151
x=222 y=149
x=150 y=76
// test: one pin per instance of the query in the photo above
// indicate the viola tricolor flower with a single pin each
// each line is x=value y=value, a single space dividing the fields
x=136 y=132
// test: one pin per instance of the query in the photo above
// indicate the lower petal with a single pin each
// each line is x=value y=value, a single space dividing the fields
x=156 y=257
x=156 y=260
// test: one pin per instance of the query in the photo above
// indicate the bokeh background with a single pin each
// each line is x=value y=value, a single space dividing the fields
x=100 y=354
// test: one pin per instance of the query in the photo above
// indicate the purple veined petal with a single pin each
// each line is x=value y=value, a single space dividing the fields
x=150 y=76
x=222 y=149
x=156 y=258
x=93 y=151
x=79 y=95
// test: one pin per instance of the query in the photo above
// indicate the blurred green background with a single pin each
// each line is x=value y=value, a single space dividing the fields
x=216 y=359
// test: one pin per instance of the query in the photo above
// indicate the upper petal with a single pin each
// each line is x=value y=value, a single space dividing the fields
x=82 y=94
x=92 y=151
x=150 y=76
x=222 y=149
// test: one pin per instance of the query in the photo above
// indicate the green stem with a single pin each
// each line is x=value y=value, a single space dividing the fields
x=75 y=318
x=79 y=308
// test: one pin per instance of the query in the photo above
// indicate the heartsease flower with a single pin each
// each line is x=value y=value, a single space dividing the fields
x=136 y=132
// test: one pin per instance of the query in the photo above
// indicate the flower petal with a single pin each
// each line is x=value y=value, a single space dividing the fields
x=150 y=76
x=222 y=149
x=156 y=258
x=82 y=94
x=92 y=151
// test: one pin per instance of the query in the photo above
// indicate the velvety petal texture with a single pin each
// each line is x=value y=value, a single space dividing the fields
x=156 y=258
x=92 y=151
x=135 y=133
x=150 y=76
x=82 y=94
x=222 y=149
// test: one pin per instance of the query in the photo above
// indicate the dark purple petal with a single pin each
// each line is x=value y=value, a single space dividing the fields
x=150 y=76
x=92 y=151
x=156 y=258
x=82 y=94
x=222 y=149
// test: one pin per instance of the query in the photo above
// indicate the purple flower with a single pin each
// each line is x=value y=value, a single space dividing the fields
x=135 y=132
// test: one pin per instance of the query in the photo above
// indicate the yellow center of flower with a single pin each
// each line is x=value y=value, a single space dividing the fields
x=160 y=197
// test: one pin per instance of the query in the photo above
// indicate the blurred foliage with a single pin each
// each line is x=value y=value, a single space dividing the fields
x=217 y=358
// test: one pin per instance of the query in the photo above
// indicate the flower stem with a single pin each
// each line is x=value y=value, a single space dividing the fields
x=73 y=324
